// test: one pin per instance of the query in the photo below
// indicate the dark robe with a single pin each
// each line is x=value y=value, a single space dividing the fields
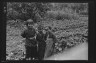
x=41 y=44
x=30 y=44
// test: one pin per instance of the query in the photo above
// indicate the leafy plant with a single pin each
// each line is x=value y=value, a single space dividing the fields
x=26 y=10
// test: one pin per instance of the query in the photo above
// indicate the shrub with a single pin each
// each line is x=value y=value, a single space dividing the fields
x=24 y=10
x=61 y=15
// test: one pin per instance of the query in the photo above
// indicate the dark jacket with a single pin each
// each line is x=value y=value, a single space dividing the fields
x=29 y=34
x=40 y=36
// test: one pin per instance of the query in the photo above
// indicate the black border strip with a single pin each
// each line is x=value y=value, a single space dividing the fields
x=91 y=37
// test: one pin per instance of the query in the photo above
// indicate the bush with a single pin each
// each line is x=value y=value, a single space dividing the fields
x=61 y=15
x=84 y=13
x=24 y=10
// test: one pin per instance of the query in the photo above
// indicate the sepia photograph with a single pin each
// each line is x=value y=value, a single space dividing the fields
x=46 y=31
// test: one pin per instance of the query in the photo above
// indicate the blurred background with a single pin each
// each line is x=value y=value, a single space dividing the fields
x=69 y=22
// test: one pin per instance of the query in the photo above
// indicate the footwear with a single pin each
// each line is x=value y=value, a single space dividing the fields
x=33 y=58
x=28 y=58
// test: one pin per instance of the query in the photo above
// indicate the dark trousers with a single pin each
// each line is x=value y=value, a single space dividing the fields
x=41 y=49
x=31 y=51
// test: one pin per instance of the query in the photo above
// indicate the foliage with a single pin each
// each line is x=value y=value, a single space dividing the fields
x=69 y=28
x=24 y=11
x=60 y=15
x=73 y=6
x=36 y=11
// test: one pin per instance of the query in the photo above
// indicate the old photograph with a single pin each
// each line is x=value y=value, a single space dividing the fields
x=46 y=31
